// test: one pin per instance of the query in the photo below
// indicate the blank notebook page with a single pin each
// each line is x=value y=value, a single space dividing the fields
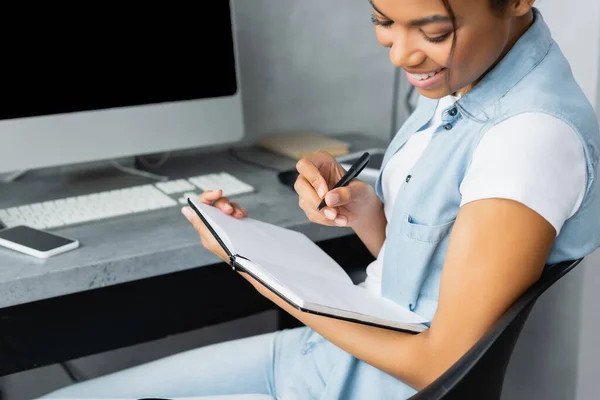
x=350 y=298
x=283 y=248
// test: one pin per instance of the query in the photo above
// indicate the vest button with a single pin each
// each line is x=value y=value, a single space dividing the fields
x=448 y=127
x=453 y=112
x=408 y=178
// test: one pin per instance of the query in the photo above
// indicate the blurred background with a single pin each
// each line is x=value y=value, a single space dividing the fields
x=316 y=65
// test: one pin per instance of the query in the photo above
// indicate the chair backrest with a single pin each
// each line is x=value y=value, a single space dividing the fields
x=479 y=374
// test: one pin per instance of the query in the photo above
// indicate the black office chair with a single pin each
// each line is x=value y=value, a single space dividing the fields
x=479 y=374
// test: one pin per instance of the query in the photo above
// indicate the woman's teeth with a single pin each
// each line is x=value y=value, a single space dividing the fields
x=422 y=77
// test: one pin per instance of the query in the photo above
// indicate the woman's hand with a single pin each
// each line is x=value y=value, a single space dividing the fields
x=216 y=199
x=346 y=206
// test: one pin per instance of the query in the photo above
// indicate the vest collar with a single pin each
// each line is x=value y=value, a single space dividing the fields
x=531 y=48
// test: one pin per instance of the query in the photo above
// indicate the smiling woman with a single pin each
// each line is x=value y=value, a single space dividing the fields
x=491 y=179
x=426 y=45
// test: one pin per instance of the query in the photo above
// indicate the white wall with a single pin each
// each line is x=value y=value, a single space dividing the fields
x=576 y=27
x=558 y=354
x=312 y=65
x=588 y=379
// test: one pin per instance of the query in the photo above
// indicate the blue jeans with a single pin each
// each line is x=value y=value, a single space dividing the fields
x=280 y=364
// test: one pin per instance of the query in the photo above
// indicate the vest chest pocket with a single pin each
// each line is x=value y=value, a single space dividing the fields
x=424 y=233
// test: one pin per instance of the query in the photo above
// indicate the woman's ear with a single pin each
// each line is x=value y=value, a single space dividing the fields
x=521 y=7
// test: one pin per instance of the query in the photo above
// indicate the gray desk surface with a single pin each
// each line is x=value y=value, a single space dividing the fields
x=148 y=244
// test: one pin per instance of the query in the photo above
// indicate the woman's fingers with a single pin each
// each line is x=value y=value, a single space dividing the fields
x=318 y=217
x=341 y=220
x=330 y=213
x=196 y=222
x=216 y=199
x=224 y=205
x=306 y=192
x=354 y=192
x=308 y=169
x=206 y=237
x=238 y=212
x=210 y=196
x=309 y=202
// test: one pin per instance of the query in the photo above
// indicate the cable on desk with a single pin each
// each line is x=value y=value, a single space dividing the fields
x=249 y=162
x=395 y=95
x=137 y=172
x=74 y=374
x=12 y=176
x=410 y=108
x=153 y=165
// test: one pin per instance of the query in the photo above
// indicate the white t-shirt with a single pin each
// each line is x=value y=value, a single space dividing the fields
x=532 y=158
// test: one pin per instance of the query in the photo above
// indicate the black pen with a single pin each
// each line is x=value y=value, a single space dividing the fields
x=352 y=173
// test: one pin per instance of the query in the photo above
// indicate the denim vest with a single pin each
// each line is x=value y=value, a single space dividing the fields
x=533 y=77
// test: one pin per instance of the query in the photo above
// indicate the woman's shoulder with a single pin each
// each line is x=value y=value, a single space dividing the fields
x=531 y=158
x=551 y=88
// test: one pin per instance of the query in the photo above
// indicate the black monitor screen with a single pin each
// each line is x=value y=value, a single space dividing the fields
x=90 y=57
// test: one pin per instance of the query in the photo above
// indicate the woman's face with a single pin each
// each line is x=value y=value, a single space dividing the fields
x=419 y=34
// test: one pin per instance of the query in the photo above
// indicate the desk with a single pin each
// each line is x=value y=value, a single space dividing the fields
x=141 y=277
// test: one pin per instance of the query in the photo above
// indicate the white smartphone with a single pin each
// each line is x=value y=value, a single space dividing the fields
x=36 y=242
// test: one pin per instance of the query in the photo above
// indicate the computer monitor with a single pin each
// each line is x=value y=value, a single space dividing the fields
x=106 y=83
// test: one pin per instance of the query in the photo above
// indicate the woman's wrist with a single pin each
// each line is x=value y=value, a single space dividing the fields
x=372 y=210
x=371 y=225
x=371 y=217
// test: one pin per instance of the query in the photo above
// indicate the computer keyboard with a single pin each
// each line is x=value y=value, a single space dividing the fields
x=120 y=202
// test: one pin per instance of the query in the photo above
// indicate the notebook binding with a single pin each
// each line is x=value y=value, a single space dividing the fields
x=232 y=262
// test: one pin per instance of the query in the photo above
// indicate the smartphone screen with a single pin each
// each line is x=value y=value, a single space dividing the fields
x=33 y=238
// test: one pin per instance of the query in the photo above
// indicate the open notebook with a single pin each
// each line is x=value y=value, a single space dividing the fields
x=301 y=273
